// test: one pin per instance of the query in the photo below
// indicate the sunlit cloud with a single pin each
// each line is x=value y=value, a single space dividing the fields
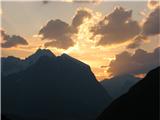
x=37 y=36
x=84 y=45
x=63 y=35
x=152 y=4
x=137 y=42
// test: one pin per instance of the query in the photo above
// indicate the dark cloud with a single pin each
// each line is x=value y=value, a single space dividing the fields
x=59 y=34
x=12 y=41
x=79 y=17
x=149 y=28
x=151 y=25
x=137 y=42
x=4 y=35
x=45 y=2
x=117 y=27
x=63 y=42
x=140 y=62
x=54 y=29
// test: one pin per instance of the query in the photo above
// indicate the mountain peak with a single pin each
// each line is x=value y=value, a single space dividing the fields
x=65 y=55
x=44 y=52
x=41 y=52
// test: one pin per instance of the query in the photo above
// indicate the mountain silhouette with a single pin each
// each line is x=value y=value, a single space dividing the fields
x=119 y=85
x=140 y=103
x=13 y=65
x=39 y=53
x=53 y=88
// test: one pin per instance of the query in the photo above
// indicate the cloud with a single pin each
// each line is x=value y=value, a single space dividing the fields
x=63 y=42
x=54 y=29
x=151 y=25
x=137 y=42
x=117 y=27
x=137 y=63
x=152 y=4
x=4 y=35
x=58 y=33
x=149 y=28
x=12 y=41
x=80 y=15
x=45 y=2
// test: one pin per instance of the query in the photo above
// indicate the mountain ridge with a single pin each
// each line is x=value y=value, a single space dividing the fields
x=58 y=88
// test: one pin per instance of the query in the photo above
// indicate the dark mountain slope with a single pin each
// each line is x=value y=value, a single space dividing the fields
x=54 y=88
x=141 y=103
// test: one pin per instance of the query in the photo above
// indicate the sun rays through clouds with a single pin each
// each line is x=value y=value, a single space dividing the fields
x=89 y=30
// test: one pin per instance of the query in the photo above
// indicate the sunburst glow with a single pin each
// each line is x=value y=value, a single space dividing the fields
x=84 y=34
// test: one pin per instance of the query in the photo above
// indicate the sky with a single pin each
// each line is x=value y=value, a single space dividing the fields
x=106 y=35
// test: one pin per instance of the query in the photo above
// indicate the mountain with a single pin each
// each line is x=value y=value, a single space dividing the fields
x=140 y=103
x=54 y=88
x=13 y=65
x=39 y=53
x=119 y=85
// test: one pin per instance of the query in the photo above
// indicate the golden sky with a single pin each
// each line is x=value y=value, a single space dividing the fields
x=26 y=19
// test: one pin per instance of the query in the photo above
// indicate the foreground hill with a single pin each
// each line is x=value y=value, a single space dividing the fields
x=53 y=88
x=140 y=103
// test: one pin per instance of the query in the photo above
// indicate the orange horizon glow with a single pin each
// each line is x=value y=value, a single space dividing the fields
x=85 y=48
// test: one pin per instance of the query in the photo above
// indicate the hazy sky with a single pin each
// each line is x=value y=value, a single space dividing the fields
x=26 y=19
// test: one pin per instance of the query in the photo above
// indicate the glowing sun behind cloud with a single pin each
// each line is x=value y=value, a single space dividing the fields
x=84 y=47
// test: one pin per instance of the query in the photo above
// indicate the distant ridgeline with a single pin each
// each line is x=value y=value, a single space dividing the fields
x=48 y=87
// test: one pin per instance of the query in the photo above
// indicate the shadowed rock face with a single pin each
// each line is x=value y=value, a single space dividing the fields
x=140 y=103
x=54 y=88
